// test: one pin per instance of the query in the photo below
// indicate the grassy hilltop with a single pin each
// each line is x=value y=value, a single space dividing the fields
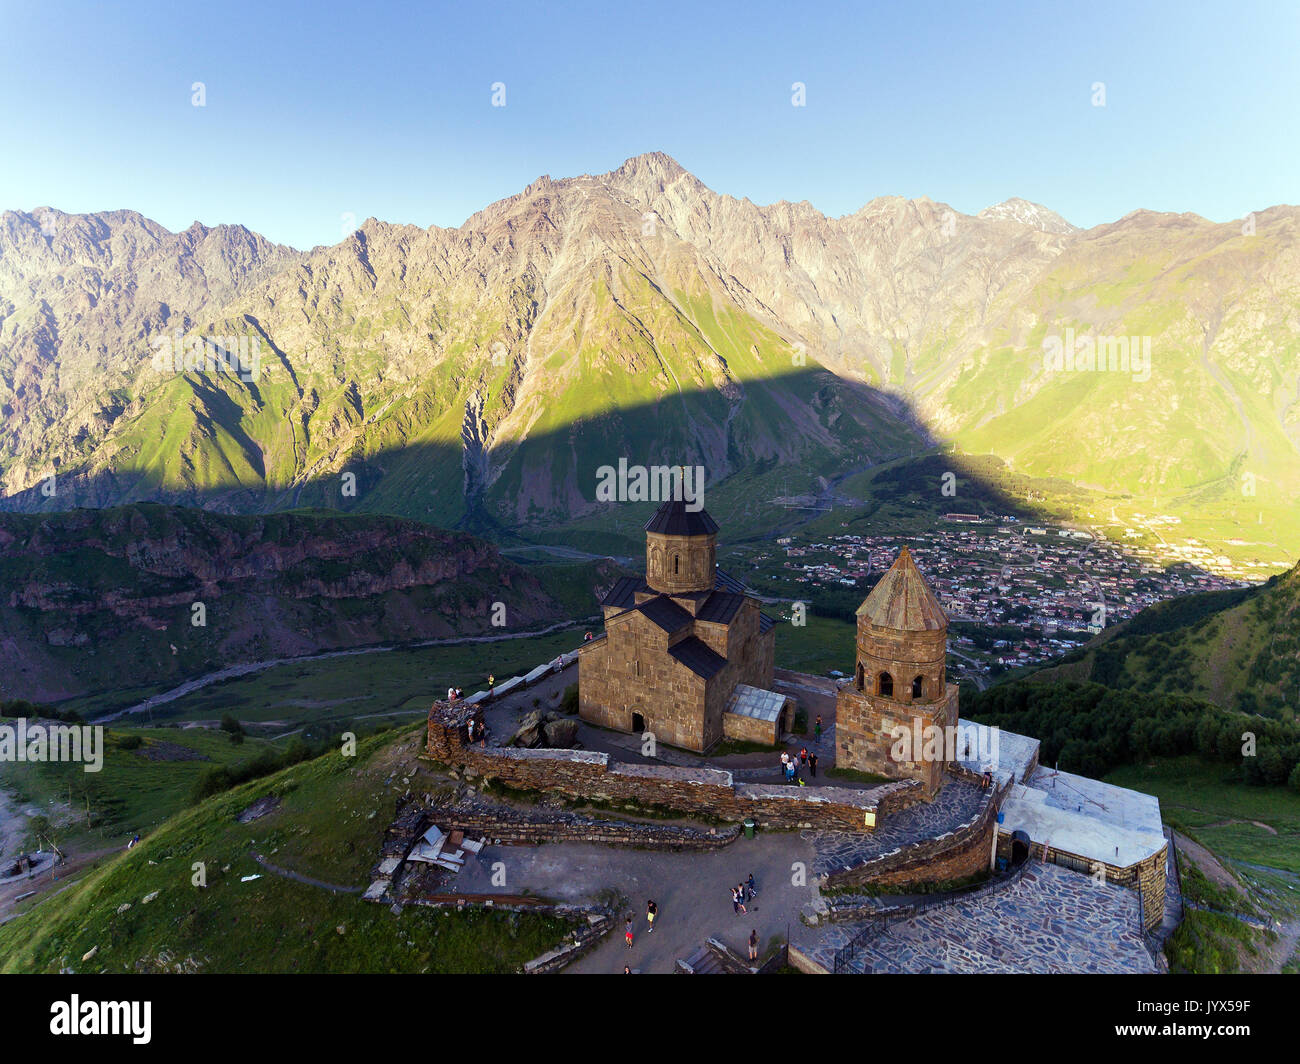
x=328 y=827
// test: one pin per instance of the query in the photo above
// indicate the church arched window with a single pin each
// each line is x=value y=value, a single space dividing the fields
x=862 y=679
x=677 y=564
x=885 y=685
x=918 y=686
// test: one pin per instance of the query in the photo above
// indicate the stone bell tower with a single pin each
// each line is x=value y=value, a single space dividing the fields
x=899 y=683
x=680 y=550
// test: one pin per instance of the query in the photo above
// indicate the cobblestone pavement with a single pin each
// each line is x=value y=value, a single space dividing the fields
x=1053 y=920
x=956 y=804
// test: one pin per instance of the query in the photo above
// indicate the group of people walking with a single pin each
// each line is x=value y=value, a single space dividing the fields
x=741 y=893
x=793 y=765
x=651 y=911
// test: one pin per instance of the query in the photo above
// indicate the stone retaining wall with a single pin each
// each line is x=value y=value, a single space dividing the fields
x=695 y=791
x=585 y=938
x=516 y=831
x=965 y=851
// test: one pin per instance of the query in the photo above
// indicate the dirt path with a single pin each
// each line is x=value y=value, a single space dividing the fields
x=1288 y=940
x=1257 y=823
x=1207 y=863
x=297 y=877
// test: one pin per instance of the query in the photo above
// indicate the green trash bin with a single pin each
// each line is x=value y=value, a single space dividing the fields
x=749 y=827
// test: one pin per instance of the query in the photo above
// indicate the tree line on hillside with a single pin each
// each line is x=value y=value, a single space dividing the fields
x=20 y=707
x=1091 y=729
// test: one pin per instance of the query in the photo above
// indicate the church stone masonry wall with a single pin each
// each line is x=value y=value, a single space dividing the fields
x=864 y=734
x=630 y=672
x=903 y=655
x=696 y=561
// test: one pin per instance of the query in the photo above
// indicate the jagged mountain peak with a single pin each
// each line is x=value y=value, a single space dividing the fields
x=1029 y=213
x=656 y=163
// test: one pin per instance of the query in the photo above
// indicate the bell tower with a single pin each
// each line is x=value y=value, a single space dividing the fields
x=680 y=550
x=899 y=683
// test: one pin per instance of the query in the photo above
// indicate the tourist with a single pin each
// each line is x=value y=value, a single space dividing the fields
x=627 y=931
x=817 y=728
x=651 y=911
x=740 y=897
x=812 y=764
x=803 y=756
x=492 y=683
x=451 y=694
x=469 y=728
x=735 y=901
x=753 y=890
x=753 y=944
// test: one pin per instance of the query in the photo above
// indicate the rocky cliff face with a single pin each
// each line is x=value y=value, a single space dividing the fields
x=140 y=595
x=81 y=297
x=482 y=374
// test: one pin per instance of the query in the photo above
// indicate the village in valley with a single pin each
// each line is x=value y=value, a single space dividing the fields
x=1051 y=588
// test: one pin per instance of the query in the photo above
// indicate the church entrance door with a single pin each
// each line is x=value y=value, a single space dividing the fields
x=638 y=723
x=1019 y=848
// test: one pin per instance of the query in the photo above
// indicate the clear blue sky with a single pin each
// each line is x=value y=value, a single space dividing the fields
x=315 y=110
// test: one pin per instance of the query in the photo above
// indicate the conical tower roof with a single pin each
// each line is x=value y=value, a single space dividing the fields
x=902 y=600
x=674 y=519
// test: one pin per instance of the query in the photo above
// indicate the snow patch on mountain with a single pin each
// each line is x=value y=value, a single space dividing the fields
x=1034 y=215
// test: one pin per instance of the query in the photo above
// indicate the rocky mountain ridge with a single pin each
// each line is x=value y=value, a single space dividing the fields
x=480 y=375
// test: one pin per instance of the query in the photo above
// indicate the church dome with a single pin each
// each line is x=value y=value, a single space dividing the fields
x=673 y=519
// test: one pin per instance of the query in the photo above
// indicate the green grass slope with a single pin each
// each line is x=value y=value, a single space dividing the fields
x=1237 y=649
x=328 y=827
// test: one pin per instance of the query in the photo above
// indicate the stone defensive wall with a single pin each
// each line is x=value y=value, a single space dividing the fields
x=965 y=850
x=509 y=827
x=706 y=792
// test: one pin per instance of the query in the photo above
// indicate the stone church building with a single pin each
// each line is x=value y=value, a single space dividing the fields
x=899 y=681
x=687 y=655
